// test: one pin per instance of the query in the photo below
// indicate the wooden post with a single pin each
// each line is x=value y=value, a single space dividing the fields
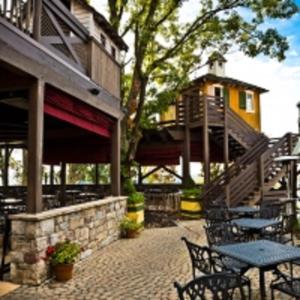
x=226 y=151
x=116 y=159
x=52 y=175
x=206 y=159
x=140 y=175
x=37 y=21
x=35 y=146
x=187 y=145
x=62 y=183
x=261 y=175
x=6 y=169
x=96 y=174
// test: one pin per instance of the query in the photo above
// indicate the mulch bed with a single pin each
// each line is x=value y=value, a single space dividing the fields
x=158 y=219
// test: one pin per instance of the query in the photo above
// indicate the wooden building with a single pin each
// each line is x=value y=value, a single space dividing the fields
x=218 y=119
x=60 y=77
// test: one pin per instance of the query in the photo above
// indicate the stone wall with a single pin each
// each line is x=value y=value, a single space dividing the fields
x=93 y=225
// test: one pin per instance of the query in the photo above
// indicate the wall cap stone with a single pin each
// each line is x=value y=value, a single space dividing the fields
x=66 y=210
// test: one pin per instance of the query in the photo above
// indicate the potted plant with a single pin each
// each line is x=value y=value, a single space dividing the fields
x=190 y=205
x=62 y=257
x=135 y=207
x=130 y=228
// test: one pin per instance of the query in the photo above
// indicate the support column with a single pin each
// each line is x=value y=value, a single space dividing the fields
x=96 y=174
x=206 y=158
x=52 y=175
x=37 y=21
x=6 y=169
x=140 y=175
x=35 y=146
x=226 y=152
x=186 y=147
x=116 y=159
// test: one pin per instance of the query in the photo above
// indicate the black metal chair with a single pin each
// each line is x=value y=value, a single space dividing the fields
x=216 y=215
x=206 y=261
x=285 y=284
x=200 y=257
x=224 y=233
x=281 y=232
x=219 y=286
x=270 y=211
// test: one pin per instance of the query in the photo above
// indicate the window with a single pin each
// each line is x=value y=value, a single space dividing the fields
x=222 y=92
x=113 y=52
x=246 y=101
x=103 y=39
x=249 y=102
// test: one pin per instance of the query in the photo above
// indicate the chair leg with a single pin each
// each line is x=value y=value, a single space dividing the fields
x=272 y=294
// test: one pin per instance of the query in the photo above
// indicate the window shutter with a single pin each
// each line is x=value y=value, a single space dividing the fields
x=226 y=97
x=242 y=100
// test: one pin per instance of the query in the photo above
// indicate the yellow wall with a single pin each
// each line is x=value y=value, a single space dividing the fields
x=252 y=118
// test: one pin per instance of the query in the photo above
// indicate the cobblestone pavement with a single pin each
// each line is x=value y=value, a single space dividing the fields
x=142 y=268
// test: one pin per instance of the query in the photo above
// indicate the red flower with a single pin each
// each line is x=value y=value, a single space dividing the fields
x=50 y=250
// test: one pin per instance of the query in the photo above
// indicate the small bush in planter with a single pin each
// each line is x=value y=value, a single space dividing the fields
x=129 y=228
x=192 y=193
x=136 y=198
x=62 y=257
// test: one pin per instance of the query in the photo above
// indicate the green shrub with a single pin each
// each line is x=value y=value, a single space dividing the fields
x=193 y=193
x=128 y=224
x=63 y=253
x=129 y=187
x=136 y=198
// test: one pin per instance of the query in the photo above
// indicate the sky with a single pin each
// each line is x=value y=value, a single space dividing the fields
x=279 y=113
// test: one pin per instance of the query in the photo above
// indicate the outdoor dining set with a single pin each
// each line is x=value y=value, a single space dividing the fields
x=240 y=239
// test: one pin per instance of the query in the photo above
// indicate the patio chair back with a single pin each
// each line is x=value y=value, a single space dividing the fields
x=270 y=211
x=200 y=257
x=224 y=233
x=218 y=286
x=216 y=215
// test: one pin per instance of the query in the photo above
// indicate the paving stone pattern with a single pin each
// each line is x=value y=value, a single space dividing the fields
x=133 y=269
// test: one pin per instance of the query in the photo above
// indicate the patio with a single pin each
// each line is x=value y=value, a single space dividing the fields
x=143 y=268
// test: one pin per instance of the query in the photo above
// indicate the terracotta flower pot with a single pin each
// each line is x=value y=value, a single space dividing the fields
x=131 y=234
x=63 y=272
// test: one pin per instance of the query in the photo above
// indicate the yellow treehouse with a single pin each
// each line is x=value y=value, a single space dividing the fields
x=242 y=97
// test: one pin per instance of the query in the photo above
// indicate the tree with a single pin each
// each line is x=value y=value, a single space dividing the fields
x=166 y=50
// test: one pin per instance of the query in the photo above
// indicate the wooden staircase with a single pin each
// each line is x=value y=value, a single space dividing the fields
x=251 y=176
x=254 y=173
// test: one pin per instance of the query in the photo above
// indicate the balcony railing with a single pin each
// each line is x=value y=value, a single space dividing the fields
x=50 y=23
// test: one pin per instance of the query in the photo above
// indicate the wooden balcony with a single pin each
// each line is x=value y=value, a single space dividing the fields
x=52 y=25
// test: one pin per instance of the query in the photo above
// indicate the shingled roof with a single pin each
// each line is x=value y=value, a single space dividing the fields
x=224 y=80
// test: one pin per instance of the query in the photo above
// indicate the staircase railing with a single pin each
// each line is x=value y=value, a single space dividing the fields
x=213 y=190
x=253 y=176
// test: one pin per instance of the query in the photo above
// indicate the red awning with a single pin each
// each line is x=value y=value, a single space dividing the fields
x=69 y=109
x=159 y=155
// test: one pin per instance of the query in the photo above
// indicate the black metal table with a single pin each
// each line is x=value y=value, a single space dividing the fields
x=262 y=254
x=245 y=211
x=254 y=226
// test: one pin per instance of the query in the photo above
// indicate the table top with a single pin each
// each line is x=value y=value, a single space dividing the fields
x=10 y=201
x=255 y=223
x=244 y=209
x=73 y=191
x=260 y=253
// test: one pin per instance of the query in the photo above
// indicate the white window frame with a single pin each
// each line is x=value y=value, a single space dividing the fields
x=250 y=102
